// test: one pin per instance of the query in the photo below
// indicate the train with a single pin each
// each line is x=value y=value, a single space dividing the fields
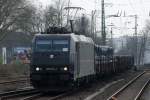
x=63 y=61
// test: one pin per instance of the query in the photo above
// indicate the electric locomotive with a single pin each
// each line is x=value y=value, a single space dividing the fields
x=61 y=61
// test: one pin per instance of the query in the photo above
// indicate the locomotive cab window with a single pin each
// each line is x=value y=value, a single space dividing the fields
x=43 y=45
x=60 y=45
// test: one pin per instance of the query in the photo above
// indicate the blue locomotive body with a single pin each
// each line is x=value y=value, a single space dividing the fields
x=50 y=65
x=61 y=61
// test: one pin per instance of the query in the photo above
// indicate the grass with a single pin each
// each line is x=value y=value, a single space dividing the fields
x=14 y=70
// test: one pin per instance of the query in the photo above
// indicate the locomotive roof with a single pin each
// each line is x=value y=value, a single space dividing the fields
x=82 y=38
x=76 y=38
x=49 y=35
x=106 y=47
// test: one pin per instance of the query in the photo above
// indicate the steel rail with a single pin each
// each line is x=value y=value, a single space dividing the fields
x=60 y=96
x=13 y=81
x=12 y=94
x=32 y=96
x=142 y=90
x=125 y=86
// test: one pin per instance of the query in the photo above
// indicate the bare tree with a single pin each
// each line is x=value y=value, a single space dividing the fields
x=25 y=19
x=54 y=14
x=38 y=22
x=144 y=40
x=142 y=48
x=12 y=12
x=60 y=4
x=51 y=17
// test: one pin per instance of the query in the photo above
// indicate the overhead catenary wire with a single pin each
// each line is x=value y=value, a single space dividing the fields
x=130 y=3
x=141 y=2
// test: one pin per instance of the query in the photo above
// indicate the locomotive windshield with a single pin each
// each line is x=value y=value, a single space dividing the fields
x=60 y=45
x=52 y=45
x=43 y=45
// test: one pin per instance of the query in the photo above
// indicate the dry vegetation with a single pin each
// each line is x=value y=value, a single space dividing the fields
x=14 y=70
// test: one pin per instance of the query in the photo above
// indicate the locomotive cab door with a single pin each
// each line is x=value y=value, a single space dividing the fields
x=77 y=58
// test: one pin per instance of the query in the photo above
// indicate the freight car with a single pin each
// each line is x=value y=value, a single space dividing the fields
x=63 y=61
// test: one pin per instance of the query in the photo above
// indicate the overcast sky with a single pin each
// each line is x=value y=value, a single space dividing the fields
x=127 y=7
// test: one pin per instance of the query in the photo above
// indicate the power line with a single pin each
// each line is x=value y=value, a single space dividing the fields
x=131 y=5
x=143 y=6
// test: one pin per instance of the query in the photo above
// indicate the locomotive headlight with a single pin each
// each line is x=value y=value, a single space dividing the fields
x=37 y=68
x=65 y=68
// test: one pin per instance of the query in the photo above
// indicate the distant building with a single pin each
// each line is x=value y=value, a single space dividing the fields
x=15 y=42
x=125 y=44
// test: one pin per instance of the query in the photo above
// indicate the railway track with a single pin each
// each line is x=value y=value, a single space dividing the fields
x=14 y=84
x=133 y=89
x=19 y=79
x=141 y=95
x=49 y=97
x=5 y=77
x=14 y=81
x=31 y=95
x=26 y=94
x=12 y=95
